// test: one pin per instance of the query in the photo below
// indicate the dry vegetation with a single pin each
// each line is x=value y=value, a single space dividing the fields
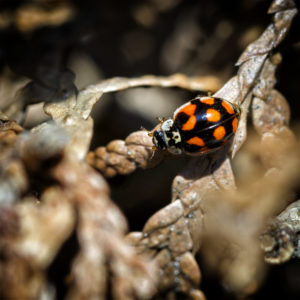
x=94 y=222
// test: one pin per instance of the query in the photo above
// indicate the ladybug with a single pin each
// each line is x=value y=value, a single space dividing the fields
x=199 y=126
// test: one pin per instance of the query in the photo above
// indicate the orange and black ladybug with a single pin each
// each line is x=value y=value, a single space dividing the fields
x=199 y=126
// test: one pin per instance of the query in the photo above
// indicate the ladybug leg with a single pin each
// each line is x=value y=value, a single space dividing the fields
x=150 y=133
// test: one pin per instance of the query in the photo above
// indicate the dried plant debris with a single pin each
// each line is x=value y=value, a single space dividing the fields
x=239 y=264
x=104 y=258
x=281 y=240
x=123 y=157
x=49 y=193
x=27 y=226
x=28 y=250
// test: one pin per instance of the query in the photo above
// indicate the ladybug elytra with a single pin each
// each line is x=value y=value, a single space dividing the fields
x=199 y=126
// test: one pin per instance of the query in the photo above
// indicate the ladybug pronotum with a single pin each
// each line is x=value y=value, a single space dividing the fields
x=199 y=126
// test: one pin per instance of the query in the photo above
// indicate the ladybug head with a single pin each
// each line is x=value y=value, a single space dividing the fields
x=159 y=140
x=168 y=137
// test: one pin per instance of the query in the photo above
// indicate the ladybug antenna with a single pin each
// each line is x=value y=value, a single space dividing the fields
x=161 y=119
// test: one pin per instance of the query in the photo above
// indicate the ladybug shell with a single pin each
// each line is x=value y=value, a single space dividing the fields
x=205 y=124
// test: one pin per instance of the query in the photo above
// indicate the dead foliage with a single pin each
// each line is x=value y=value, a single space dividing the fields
x=221 y=205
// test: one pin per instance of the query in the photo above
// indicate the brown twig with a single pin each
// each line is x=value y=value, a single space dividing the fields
x=123 y=157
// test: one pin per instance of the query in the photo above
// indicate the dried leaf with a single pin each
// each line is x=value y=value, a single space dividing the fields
x=281 y=240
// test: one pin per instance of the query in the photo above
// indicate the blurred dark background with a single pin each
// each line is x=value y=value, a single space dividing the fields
x=45 y=40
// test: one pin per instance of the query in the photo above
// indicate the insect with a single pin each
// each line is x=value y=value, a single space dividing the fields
x=199 y=126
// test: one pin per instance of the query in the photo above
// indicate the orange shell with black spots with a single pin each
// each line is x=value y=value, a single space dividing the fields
x=205 y=124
